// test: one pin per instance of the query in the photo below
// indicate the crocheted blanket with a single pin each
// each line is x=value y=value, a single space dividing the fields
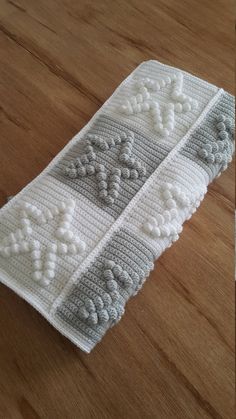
x=82 y=237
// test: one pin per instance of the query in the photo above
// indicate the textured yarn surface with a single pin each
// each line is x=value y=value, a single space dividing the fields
x=81 y=238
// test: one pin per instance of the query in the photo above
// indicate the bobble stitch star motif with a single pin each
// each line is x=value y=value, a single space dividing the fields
x=100 y=310
x=173 y=196
x=218 y=151
x=110 y=306
x=114 y=275
x=163 y=121
x=163 y=225
x=169 y=223
x=66 y=242
x=108 y=183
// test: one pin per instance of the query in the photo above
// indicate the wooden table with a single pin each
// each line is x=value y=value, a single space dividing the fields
x=60 y=60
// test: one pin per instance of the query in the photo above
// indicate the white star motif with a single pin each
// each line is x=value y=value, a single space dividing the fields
x=164 y=120
x=65 y=243
x=169 y=222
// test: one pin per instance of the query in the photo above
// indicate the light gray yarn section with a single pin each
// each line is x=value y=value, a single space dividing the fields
x=148 y=152
x=207 y=136
x=97 y=301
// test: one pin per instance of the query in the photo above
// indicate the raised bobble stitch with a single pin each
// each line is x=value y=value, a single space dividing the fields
x=134 y=174
x=221 y=118
x=98 y=302
x=38 y=265
x=167 y=194
x=25 y=247
x=103 y=194
x=186 y=107
x=27 y=231
x=125 y=173
x=109 y=264
x=159 y=219
x=115 y=295
x=210 y=158
x=50 y=265
x=36 y=254
x=111 y=285
x=218 y=158
x=145 y=107
x=165 y=230
x=117 y=270
x=156 y=231
x=83 y=313
x=90 y=170
x=44 y=282
x=37 y=276
x=114 y=194
x=178 y=107
x=223 y=135
x=81 y=171
x=107 y=300
x=221 y=126
x=15 y=248
x=108 y=275
x=215 y=147
x=49 y=273
x=93 y=318
x=167 y=216
x=203 y=153
x=147 y=227
x=170 y=203
x=165 y=132
x=62 y=249
x=103 y=316
x=81 y=246
x=109 y=200
x=72 y=249
x=89 y=305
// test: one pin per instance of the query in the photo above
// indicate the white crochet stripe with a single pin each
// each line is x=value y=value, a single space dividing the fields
x=119 y=222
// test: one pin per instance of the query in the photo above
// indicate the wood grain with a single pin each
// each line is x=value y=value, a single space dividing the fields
x=172 y=355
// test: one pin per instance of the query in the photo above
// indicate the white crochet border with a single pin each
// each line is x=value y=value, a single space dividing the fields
x=77 y=338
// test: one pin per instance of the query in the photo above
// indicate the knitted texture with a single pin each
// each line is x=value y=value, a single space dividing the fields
x=81 y=238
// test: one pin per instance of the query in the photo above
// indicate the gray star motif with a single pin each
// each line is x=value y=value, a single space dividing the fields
x=108 y=181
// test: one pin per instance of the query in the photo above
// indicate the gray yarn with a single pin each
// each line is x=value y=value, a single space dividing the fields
x=97 y=301
x=220 y=150
x=211 y=145
x=108 y=184
x=144 y=150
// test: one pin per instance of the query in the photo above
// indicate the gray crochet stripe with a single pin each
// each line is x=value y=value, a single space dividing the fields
x=148 y=152
x=207 y=133
x=133 y=260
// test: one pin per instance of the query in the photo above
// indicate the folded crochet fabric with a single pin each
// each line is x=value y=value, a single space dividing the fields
x=81 y=239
